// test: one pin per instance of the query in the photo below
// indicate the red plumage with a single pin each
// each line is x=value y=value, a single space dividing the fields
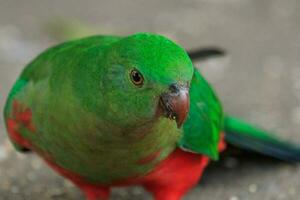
x=170 y=180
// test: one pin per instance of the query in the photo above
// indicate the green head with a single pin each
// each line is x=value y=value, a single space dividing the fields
x=145 y=76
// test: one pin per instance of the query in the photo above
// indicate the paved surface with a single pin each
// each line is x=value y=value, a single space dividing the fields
x=259 y=81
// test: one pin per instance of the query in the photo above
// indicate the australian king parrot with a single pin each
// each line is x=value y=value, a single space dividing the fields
x=107 y=111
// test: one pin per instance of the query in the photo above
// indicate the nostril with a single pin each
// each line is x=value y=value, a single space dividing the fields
x=174 y=88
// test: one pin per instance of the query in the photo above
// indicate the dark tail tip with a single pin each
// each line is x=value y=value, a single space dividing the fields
x=205 y=53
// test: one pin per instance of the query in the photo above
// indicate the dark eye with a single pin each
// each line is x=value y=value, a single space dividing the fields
x=136 y=77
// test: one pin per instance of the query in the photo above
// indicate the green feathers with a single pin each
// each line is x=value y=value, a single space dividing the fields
x=108 y=108
x=205 y=119
x=249 y=137
x=85 y=108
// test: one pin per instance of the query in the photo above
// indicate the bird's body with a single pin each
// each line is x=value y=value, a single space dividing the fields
x=107 y=111
x=72 y=134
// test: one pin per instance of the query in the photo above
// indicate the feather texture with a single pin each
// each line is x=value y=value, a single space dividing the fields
x=251 y=138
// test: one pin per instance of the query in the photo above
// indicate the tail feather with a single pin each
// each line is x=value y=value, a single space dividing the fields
x=205 y=53
x=243 y=135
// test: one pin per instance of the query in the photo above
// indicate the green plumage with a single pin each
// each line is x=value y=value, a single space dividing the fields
x=205 y=119
x=244 y=135
x=86 y=111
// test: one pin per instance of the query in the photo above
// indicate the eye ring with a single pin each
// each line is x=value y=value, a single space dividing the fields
x=136 y=77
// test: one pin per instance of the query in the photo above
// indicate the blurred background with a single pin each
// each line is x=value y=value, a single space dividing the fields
x=258 y=80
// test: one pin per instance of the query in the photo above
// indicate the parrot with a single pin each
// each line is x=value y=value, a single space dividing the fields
x=113 y=111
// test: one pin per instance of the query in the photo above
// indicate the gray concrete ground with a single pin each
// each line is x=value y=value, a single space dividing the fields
x=258 y=81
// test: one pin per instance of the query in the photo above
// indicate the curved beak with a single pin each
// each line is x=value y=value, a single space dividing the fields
x=175 y=103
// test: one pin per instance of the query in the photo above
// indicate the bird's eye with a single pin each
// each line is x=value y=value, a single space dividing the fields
x=136 y=77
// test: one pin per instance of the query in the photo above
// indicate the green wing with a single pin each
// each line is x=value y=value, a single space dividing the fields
x=32 y=85
x=202 y=128
x=44 y=65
